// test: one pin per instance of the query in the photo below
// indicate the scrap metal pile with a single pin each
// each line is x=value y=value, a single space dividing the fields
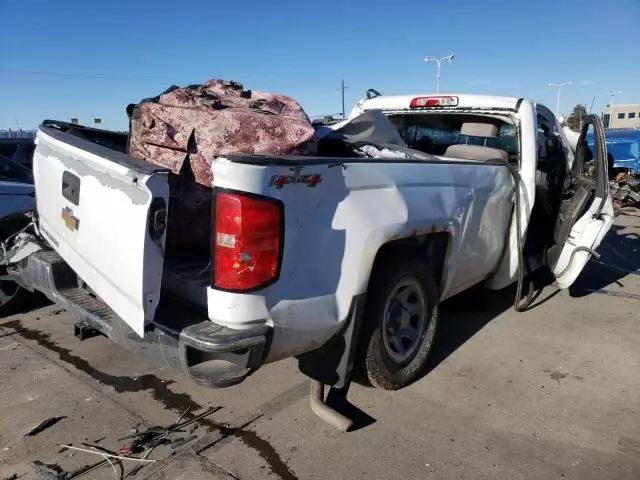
x=626 y=189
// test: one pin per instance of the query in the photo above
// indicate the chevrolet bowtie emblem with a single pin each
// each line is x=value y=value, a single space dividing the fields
x=70 y=221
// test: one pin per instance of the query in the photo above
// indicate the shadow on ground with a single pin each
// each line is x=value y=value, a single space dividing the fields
x=337 y=399
x=32 y=301
x=464 y=316
x=620 y=256
x=630 y=213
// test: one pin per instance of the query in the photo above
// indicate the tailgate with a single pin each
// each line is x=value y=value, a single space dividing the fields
x=105 y=214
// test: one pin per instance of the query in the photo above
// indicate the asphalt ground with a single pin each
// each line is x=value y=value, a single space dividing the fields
x=553 y=392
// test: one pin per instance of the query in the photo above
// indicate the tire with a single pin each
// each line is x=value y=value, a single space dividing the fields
x=401 y=318
x=12 y=297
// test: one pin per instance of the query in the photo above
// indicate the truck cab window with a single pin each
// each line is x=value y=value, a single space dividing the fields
x=433 y=133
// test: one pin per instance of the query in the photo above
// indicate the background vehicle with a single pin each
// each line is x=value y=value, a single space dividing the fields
x=334 y=259
x=16 y=198
x=19 y=150
x=623 y=151
x=623 y=146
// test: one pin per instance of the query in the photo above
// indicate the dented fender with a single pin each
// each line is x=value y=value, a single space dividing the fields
x=334 y=230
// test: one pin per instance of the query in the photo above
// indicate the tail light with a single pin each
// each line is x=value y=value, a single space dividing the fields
x=427 y=102
x=247 y=241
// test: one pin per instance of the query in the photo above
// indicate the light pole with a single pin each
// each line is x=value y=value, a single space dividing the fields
x=448 y=58
x=558 y=86
x=613 y=93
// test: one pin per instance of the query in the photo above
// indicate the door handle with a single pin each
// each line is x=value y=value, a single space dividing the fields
x=71 y=187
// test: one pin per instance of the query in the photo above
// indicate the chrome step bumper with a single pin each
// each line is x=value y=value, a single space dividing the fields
x=210 y=354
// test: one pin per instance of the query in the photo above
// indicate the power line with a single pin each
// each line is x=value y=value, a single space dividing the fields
x=73 y=75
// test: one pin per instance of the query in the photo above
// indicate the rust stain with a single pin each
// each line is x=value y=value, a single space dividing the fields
x=416 y=232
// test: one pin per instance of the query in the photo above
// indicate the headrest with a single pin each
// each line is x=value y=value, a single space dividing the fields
x=479 y=129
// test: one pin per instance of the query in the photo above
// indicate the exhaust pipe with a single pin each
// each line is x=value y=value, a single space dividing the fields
x=324 y=411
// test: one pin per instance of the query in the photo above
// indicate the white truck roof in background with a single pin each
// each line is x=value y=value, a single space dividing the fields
x=401 y=102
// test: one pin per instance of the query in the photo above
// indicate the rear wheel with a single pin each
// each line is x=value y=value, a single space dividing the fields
x=401 y=316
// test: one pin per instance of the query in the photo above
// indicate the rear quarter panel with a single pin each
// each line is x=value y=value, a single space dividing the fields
x=335 y=227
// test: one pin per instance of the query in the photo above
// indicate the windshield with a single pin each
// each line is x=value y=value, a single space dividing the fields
x=13 y=172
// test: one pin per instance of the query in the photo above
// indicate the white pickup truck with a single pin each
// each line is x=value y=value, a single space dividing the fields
x=334 y=260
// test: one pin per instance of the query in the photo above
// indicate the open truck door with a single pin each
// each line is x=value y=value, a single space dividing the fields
x=105 y=214
x=586 y=208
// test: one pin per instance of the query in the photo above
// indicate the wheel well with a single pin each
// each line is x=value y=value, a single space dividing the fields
x=432 y=248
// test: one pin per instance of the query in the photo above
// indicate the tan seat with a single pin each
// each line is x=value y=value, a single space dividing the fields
x=477 y=152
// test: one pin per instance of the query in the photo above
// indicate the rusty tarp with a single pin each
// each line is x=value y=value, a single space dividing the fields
x=200 y=122
x=184 y=129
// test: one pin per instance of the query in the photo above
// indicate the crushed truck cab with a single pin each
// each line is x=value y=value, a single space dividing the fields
x=336 y=259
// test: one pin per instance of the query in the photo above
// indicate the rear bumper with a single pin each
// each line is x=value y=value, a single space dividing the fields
x=210 y=354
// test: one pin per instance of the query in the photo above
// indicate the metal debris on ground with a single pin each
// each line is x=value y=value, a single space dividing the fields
x=626 y=189
x=182 y=441
x=126 y=448
x=81 y=472
x=140 y=439
x=108 y=455
x=49 y=422
x=161 y=434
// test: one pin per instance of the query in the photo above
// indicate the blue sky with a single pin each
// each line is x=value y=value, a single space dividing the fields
x=124 y=50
